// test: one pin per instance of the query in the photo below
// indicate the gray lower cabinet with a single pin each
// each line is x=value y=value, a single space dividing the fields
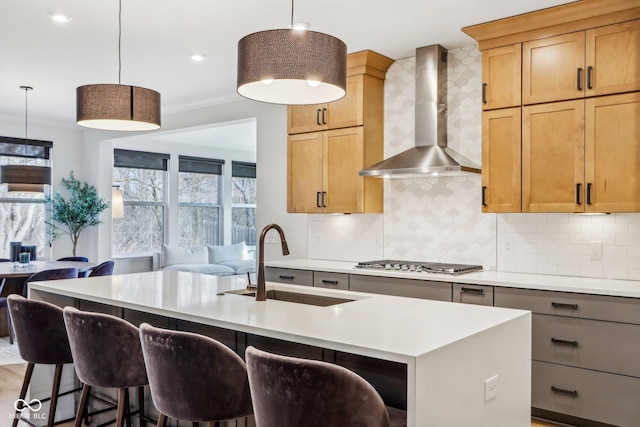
x=289 y=275
x=425 y=289
x=473 y=294
x=585 y=368
x=324 y=279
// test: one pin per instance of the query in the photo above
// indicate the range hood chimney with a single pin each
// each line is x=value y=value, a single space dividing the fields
x=430 y=156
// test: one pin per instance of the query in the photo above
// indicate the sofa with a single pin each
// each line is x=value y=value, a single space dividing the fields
x=225 y=260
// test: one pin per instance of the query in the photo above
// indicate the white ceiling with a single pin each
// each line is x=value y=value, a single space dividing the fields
x=158 y=36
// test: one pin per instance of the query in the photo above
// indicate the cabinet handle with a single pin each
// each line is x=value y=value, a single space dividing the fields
x=579 y=79
x=484 y=196
x=578 y=188
x=589 y=74
x=324 y=199
x=318 y=205
x=484 y=93
x=563 y=305
x=564 y=342
x=324 y=116
x=477 y=291
x=330 y=282
x=318 y=117
x=588 y=193
x=572 y=393
x=286 y=277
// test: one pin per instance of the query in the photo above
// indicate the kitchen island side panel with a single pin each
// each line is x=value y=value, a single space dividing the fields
x=456 y=396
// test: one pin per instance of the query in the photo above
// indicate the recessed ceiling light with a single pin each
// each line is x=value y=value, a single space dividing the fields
x=58 y=17
x=196 y=57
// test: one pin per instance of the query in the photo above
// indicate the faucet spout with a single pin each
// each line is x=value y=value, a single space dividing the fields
x=261 y=292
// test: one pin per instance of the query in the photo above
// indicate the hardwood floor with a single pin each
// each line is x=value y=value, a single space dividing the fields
x=11 y=380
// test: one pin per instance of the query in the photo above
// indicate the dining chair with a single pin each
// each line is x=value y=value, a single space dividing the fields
x=290 y=392
x=193 y=377
x=74 y=258
x=104 y=269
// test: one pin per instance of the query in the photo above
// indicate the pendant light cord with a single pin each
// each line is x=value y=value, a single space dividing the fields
x=26 y=116
x=120 y=42
x=291 y=14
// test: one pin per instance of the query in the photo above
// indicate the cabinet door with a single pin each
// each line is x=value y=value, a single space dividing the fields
x=612 y=151
x=305 y=118
x=348 y=111
x=553 y=157
x=343 y=157
x=501 y=160
x=613 y=64
x=553 y=68
x=304 y=180
x=501 y=77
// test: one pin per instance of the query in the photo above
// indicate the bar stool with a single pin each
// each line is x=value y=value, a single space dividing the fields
x=106 y=353
x=292 y=392
x=193 y=377
x=42 y=339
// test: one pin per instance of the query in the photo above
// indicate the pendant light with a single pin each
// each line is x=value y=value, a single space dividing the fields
x=117 y=202
x=25 y=178
x=118 y=107
x=292 y=66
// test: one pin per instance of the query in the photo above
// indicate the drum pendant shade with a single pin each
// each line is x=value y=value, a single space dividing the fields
x=117 y=107
x=292 y=67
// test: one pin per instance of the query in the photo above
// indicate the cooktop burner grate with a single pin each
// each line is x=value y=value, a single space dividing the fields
x=419 y=266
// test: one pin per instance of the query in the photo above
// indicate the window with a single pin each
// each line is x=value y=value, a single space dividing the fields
x=243 y=199
x=142 y=179
x=23 y=215
x=199 y=183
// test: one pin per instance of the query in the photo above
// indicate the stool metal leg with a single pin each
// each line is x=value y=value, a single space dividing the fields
x=128 y=412
x=122 y=406
x=141 y=415
x=23 y=392
x=162 y=420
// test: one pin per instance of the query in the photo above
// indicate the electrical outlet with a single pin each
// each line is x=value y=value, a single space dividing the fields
x=595 y=250
x=271 y=238
x=509 y=247
x=490 y=388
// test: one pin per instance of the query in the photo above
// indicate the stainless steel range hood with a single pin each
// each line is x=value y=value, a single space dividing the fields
x=430 y=156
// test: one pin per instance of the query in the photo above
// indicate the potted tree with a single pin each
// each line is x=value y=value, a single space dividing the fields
x=80 y=211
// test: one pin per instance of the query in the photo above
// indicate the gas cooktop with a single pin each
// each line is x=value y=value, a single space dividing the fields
x=418 y=267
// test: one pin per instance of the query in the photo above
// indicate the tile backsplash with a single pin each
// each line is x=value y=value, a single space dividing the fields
x=439 y=219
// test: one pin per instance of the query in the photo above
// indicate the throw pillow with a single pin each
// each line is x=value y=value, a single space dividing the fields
x=218 y=254
x=179 y=255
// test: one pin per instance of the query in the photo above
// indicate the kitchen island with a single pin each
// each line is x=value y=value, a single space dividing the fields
x=465 y=365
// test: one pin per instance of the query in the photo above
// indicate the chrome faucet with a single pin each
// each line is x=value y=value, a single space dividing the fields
x=261 y=292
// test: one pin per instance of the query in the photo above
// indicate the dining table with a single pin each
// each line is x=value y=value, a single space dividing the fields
x=13 y=275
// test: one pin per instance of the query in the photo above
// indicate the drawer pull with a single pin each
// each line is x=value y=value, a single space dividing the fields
x=330 y=282
x=477 y=291
x=572 y=393
x=286 y=277
x=564 y=342
x=563 y=305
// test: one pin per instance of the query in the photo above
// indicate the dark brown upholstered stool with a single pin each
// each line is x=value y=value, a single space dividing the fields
x=193 y=377
x=292 y=392
x=106 y=353
x=42 y=338
x=104 y=269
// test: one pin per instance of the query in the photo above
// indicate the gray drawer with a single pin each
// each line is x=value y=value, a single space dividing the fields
x=323 y=279
x=606 y=398
x=425 y=289
x=592 y=344
x=615 y=309
x=289 y=275
x=473 y=294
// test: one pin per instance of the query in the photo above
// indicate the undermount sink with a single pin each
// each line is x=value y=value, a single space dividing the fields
x=299 y=298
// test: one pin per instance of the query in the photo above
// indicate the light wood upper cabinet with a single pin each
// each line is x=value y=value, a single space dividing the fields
x=553 y=68
x=612 y=156
x=345 y=112
x=613 y=59
x=346 y=136
x=553 y=157
x=598 y=61
x=501 y=157
x=501 y=81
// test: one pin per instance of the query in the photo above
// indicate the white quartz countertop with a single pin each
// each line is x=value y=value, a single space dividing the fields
x=392 y=328
x=623 y=288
